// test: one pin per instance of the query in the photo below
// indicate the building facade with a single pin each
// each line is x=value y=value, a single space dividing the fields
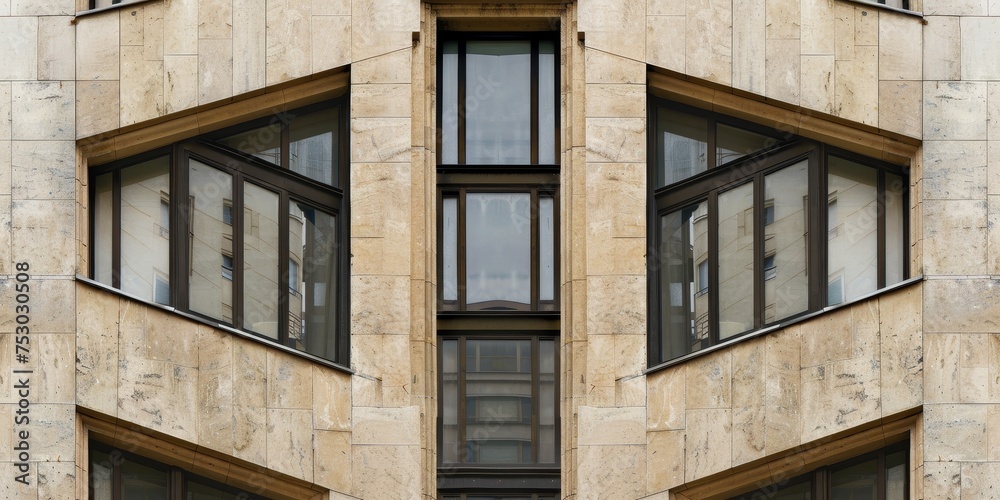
x=531 y=249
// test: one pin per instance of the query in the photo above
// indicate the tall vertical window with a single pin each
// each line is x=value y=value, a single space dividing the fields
x=751 y=227
x=244 y=226
x=498 y=240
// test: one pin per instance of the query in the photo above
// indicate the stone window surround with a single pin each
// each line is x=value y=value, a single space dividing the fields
x=813 y=455
x=187 y=456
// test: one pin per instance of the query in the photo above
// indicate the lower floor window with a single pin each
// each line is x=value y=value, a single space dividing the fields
x=499 y=496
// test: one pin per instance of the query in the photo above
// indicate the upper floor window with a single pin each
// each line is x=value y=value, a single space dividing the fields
x=246 y=226
x=751 y=227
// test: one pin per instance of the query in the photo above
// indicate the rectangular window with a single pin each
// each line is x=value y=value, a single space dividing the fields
x=738 y=232
x=261 y=199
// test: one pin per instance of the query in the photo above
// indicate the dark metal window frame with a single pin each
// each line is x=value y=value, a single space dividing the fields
x=178 y=477
x=788 y=149
x=290 y=187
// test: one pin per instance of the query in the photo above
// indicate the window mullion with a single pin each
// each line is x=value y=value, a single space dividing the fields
x=116 y=228
x=179 y=230
x=880 y=228
x=820 y=221
x=461 y=251
x=238 y=263
x=284 y=273
x=713 y=267
x=758 y=250
x=534 y=213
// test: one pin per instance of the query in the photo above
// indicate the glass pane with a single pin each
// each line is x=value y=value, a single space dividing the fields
x=498 y=246
x=736 y=223
x=198 y=491
x=858 y=482
x=449 y=250
x=798 y=491
x=103 y=228
x=312 y=148
x=260 y=260
x=211 y=286
x=449 y=103
x=546 y=248
x=733 y=143
x=312 y=240
x=547 y=402
x=498 y=401
x=547 y=99
x=497 y=102
x=895 y=236
x=263 y=142
x=450 y=445
x=100 y=475
x=786 y=285
x=853 y=229
x=682 y=146
x=147 y=483
x=683 y=299
x=895 y=476
x=145 y=237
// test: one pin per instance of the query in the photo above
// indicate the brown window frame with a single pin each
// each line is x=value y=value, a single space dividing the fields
x=245 y=168
x=787 y=149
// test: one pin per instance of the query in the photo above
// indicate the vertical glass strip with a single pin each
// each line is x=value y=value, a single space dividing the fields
x=736 y=261
x=260 y=260
x=449 y=103
x=852 y=214
x=547 y=402
x=546 y=248
x=497 y=103
x=683 y=247
x=312 y=242
x=101 y=485
x=450 y=444
x=895 y=237
x=312 y=148
x=547 y=98
x=210 y=287
x=786 y=285
x=145 y=235
x=449 y=250
x=103 y=236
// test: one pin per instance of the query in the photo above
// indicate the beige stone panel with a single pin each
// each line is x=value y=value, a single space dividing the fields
x=215 y=70
x=630 y=390
x=56 y=46
x=158 y=395
x=249 y=436
x=955 y=110
x=993 y=168
x=44 y=234
x=389 y=68
x=602 y=67
x=382 y=26
x=6 y=259
x=215 y=389
x=386 y=426
x=899 y=55
x=180 y=82
x=171 y=338
x=215 y=19
x=992 y=428
x=13 y=490
x=783 y=67
x=955 y=170
x=599 y=375
x=975 y=368
x=615 y=26
x=57 y=480
x=51 y=360
x=141 y=87
x=993 y=236
x=5 y=177
x=380 y=101
x=331 y=399
x=97 y=350
x=961 y=305
x=979 y=480
x=249 y=41
x=366 y=390
x=955 y=432
x=615 y=205
x=53 y=432
x=664 y=460
x=844 y=31
x=710 y=380
x=611 y=471
x=819 y=26
x=748 y=385
x=380 y=305
x=663 y=47
x=615 y=305
x=289 y=381
x=180 y=28
x=941 y=380
x=290 y=442
x=379 y=356
x=749 y=45
x=611 y=426
x=866 y=23
x=333 y=35
x=900 y=107
x=841 y=394
x=956 y=8
x=782 y=390
x=902 y=356
x=97 y=48
x=665 y=8
x=816 y=82
x=390 y=471
x=5 y=109
x=42 y=111
x=152 y=31
x=332 y=460
x=289 y=48
x=709 y=53
x=827 y=338
x=942 y=48
x=708 y=447
x=132 y=24
x=994 y=369
x=44 y=170
x=610 y=101
x=616 y=140
x=380 y=140
x=955 y=237
x=994 y=7
x=19 y=48
x=331 y=7
x=784 y=19
x=993 y=110
x=856 y=90
x=942 y=480
x=96 y=107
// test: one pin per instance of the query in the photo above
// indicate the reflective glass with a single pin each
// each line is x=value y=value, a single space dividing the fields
x=145 y=236
x=449 y=250
x=895 y=236
x=210 y=291
x=798 y=491
x=450 y=445
x=852 y=248
x=547 y=402
x=449 y=103
x=199 y=491
x=260 y=260
x=496 y=433
x=497 y=107
x=263 y=142
x=857 y=482
x=103 y=229
x=547 y=99
x=736 y=235
x=312 y=240
x=101 y=485
x=546 y=248
x=312 y=142
x=733 y=143
x=682 y=146
x=895 y=476
x=140 y=481
x=498 y=249
x=683 y=302
x=786 y=285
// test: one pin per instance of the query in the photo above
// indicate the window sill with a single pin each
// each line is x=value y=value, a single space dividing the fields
x=216 y=325
x=124 y=4
x=888 y=8
x=779 y=326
